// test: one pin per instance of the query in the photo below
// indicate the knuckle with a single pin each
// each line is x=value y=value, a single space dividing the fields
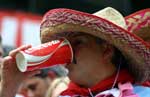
x=10 y=53
x=6 y=60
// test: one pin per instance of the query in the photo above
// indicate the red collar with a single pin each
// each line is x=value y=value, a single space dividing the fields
x=74 y=89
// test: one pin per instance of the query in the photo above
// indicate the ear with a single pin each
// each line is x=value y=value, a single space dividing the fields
x=108 y=51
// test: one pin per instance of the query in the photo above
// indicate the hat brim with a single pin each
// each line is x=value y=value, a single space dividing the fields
x=135 y=50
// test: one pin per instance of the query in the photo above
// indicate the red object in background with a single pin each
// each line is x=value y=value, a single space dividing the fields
x=18 y=28
x=56 y=52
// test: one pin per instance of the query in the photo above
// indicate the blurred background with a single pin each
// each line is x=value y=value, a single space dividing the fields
x=20 y=19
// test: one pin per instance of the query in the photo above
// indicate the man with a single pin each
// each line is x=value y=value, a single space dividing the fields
x=108 y=59
x=35 y=86
x=38 y=85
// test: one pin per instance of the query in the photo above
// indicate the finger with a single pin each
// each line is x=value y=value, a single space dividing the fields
x=24 y=47
x=14 y=52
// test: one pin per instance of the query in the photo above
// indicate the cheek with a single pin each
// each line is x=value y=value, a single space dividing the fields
x=89 y=55
x=82 y=49
x=81 y=54
x=88 y=52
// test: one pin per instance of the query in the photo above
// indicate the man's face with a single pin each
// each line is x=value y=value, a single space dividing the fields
x=89 y=56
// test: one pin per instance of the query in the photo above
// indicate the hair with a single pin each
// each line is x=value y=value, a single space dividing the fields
x=43 y=73
x=55 y=84
x=58 y=71
x=118 y=59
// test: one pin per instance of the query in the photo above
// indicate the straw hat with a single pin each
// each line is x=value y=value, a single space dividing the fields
x=139 y=24
x=143 y=33
x=109 y=25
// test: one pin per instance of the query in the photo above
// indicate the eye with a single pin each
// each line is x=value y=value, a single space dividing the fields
x=79 y=41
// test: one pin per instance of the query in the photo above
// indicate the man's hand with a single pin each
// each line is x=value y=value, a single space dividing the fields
x=11 y=76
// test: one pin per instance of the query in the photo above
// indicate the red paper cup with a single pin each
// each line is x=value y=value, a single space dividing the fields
x=56 y=52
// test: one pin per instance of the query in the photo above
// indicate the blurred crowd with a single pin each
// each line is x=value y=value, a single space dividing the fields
x=49 y=83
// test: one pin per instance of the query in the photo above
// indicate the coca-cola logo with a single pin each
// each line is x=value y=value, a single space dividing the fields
x=51 y=43
x=45 y=47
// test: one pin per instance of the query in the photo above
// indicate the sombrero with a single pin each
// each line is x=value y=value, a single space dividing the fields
x=139 y=24
x=143 y=33
x=109 y=25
